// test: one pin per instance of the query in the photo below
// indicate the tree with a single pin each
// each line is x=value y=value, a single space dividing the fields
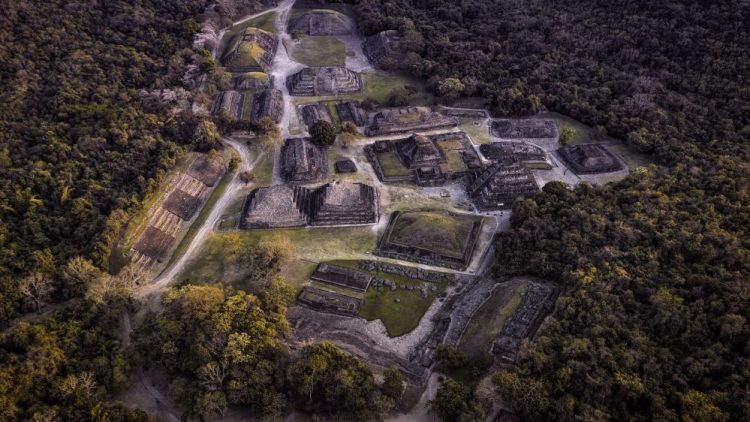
x=449 y=357
x=206 y=137
x=397 y=97
x=451 y=88
x=393 y=383
x=567 y=134
x=269 y=134
x=37 y=288
x=455 y=402
x=322 y=133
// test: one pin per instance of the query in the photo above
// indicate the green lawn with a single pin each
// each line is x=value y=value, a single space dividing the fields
x=490 y=318
x=213 y=262
x=263 y=171
x=398 y=318
x=318 y=51
x=478 y=134
x=438 y=231
x=391 y=165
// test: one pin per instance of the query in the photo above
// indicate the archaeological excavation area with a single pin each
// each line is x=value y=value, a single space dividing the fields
x=390 y=226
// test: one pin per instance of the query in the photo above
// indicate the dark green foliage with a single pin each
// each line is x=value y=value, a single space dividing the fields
x=450 y=358
x=327 y=381
x=322 y=133
x=455 y=402
x=77 y=142
x=220 y=349
x=653 y=321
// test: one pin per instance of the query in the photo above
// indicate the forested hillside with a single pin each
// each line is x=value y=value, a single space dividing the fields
x=78 y=146
x=653 y=324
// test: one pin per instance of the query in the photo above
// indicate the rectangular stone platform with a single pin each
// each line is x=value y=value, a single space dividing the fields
x=342 y=276
x=327 y=301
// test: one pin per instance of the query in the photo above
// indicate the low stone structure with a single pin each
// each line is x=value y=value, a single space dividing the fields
x=352 y=111
x=590 y=158
x=384 y=50
x=496 y=186
x=313 y=113
x=409 y=272
x=323 y=81
x=327 y=301
x=182 y=204
x=343 y=203
x=526 y=153
x=252 y=81
x=408 y=119
x=426 y=160
x=252 y=51
x=154 y=244
x=537 y=302
x=274 y=207
x=303 y=162
x=437 y=238
x=342 y=277
x=229 y=102
x=268 y=103
x=322 y=22
x=524 y=128
x=345 y=166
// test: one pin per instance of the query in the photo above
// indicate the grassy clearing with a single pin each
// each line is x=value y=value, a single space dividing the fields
x=318 y=51
x=399 y=317
x=309 y=245
x=391 y=165
x=479 y=134
x=266 y=22
x=263 y=171
x=490 y=318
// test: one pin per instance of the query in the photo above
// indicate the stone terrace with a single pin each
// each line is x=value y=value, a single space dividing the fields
x=323 y=81
x=507 y=152
x=327 y=301
x=408 y=119
x=497 y=185
x=384 y=50
x=343 y=203
x=341 y=276
x=590 y=158
x=524 y=128
x=322 y=23
x=274 y=207
x=303 y=162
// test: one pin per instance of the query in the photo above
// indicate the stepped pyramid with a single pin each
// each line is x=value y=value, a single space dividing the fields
x=343 y=203
x=496 y=186
x=274 y=207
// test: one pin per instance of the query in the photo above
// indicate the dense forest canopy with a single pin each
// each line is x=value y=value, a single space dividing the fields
x=654 y=320
x=78 y=146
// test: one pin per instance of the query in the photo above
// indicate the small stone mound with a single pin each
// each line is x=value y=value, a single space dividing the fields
x=252 y=81
x=384 y=50
x=303 y=162
x=253 y=51
x=313 y=113
x=590 y=158
x=323 y=81
x=352 y=111
x=229 y=102
x=322 y=23
x=496 y=186
x=345 y=166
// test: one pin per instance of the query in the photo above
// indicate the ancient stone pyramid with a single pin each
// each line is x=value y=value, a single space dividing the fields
x=322 y=23
x=496 y=186
x=253 y=51
x=343 y=203
x=274 y=207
